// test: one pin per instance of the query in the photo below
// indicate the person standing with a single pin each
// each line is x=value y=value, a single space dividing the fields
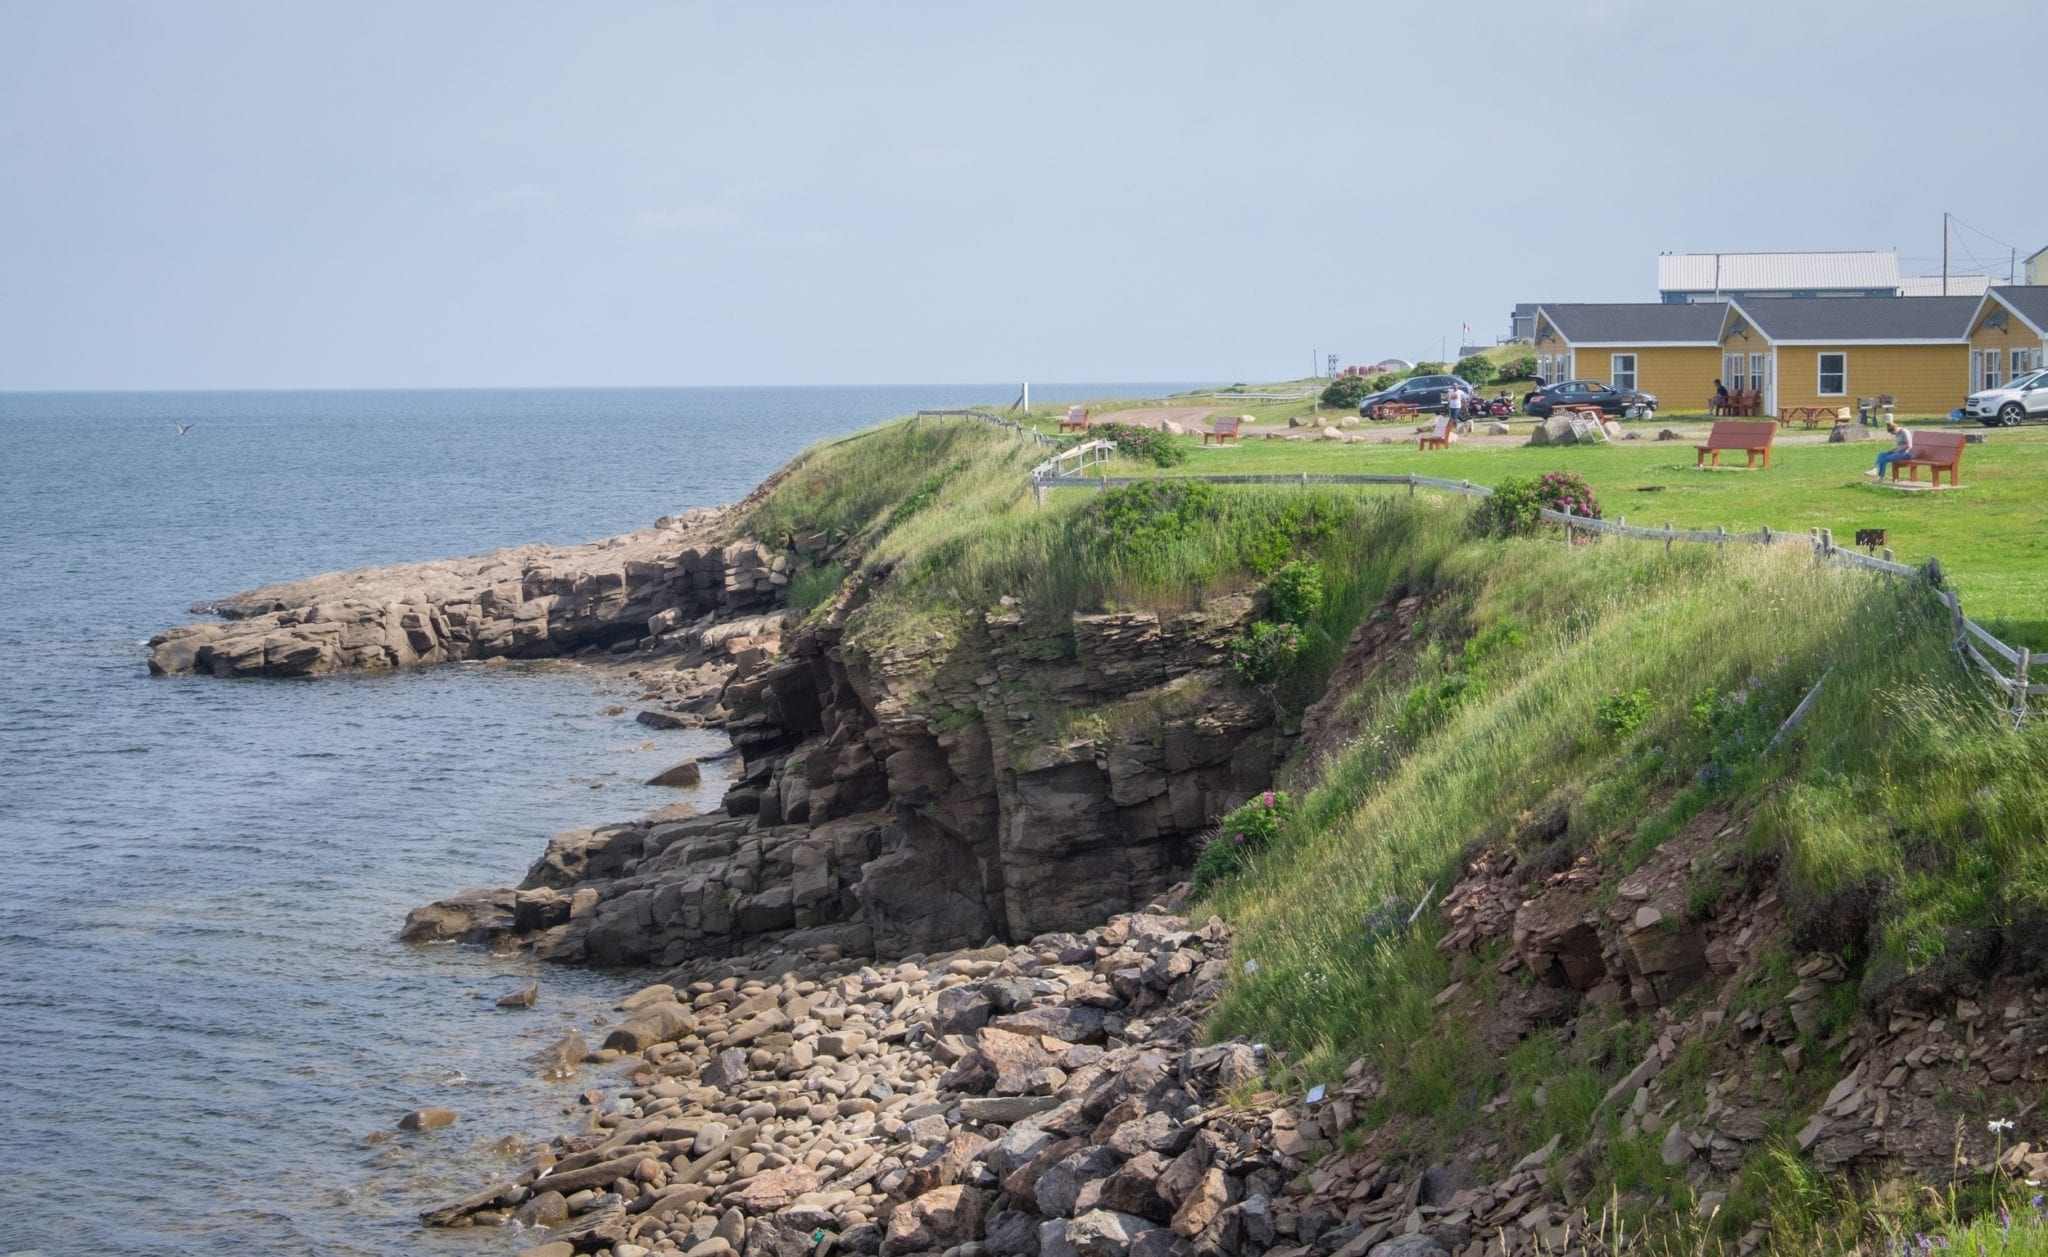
x=1902 y=447
x=1454 y=405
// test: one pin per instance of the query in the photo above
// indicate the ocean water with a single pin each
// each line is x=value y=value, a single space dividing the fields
x=207 y=1028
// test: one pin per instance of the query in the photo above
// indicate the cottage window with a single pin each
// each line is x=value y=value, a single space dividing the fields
x=2022 y=360
x=1624 y=371
x=1988 y=376
x=1834 y=375
x=1757 y=363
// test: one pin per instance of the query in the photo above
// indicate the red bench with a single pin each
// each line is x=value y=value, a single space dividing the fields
x=1076 y=420
x=1937 y=451
x=1751 y=438
x=1222 y=431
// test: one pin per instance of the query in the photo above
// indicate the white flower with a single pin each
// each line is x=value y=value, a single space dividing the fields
x=1998 y=1125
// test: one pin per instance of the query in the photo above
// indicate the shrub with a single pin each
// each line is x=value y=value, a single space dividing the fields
x=1144 y=444
x=1383 y=381
x=1263 y=650
x=1561 y=490
x=1475 y=370
x=1522 y=368
x=1428 y=368
x=1295 y=594
x=1242 y=835
x=1346 y=391
x=1623 y=712
x=1512 y=510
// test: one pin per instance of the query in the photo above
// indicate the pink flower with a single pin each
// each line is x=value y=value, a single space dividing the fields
x=1238 y=838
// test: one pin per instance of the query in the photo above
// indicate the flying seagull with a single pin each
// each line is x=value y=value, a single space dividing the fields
x=182 y=428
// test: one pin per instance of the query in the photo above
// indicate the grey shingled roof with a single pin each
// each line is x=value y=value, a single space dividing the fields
x=1861 y=318
x=1636 y=323
x=2029 y=301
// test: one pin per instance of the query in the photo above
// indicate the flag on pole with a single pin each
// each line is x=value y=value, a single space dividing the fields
x=1468 y=329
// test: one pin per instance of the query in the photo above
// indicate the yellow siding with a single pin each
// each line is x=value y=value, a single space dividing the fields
x=1681 y=378
x=2014 y=335
x=1926 y=379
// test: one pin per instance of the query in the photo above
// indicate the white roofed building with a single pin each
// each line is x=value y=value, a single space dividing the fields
x=1689 y=277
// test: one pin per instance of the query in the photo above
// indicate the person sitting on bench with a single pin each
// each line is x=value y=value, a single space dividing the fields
x=1902 y=447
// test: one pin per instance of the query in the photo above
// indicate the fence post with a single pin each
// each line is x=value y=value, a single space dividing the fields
x=1827 y=541
x=1767 y=535
x=1567 y=527
x=1039 y=491
x=1720 y=535
x=2019 y=690
x=1669 y=528
x=1955 y=613
x=1886 y=554
x=1411 y=484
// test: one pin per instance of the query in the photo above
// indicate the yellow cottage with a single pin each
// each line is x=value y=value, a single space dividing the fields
x=1669 y=350
x=2008 y=335
x=1828 y=351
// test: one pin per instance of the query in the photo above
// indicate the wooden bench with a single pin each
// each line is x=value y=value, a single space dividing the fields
x=1396 y=410
x=1751 y=438
x=1937 y=451
x=1584 y=410
x=1222 y=431
x=1438 y=437
x=1076 y=420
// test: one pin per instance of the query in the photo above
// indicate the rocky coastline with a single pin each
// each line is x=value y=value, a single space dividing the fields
x=927 y=980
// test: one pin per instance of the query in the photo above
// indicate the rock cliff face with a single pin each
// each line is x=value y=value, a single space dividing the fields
x=1020 y=779
x=528 y=602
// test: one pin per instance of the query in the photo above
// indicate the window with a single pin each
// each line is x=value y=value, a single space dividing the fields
x=1834 y=375
x=1624 y=372
x=1732 y=372
x=2021 y=360
x=1987 y=369
x=1757 y=364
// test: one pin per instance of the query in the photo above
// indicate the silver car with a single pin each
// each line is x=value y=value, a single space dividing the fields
x=2022 y=397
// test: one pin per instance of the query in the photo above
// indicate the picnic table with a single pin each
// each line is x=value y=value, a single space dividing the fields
x=1396 y=410
x=1810 y=415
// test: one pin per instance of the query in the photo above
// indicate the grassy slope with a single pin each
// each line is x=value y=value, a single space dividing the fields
x=1905 y=790
x=1989 y=535
x=943 y=506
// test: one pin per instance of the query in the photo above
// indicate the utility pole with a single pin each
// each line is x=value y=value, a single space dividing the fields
x=1944 y=253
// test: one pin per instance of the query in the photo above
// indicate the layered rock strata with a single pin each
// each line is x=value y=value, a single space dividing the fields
x=528 y=602
x=1027 y=780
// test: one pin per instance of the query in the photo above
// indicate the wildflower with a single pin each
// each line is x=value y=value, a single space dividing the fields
x=1267 y=798
x=1998 y=1125
x=1237 y=838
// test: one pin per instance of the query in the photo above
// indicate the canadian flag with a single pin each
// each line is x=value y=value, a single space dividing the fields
x=1468 y=329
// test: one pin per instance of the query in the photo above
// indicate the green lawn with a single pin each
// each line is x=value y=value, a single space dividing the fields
x=1991 y=535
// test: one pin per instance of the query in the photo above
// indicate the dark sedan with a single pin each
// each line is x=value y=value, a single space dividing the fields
x=1426 y=393
x=1610 y=400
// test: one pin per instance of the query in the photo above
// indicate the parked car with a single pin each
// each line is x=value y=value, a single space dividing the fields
x=2022 y=397
x=1426 y=393
x=1612 y=401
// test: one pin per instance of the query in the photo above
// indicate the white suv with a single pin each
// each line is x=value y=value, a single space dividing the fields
x=2023 y=396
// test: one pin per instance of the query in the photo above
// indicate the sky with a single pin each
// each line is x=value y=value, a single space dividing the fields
x=503 y=193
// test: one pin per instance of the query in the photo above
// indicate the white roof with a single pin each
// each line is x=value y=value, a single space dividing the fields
x=1958 y=286
x=1740 y=272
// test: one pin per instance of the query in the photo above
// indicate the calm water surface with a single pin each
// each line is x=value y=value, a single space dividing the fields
x=203 y=1015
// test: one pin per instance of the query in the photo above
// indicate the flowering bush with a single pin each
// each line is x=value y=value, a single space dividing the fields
x=1513 y=509
x=1295 y=594
x=1240 y=836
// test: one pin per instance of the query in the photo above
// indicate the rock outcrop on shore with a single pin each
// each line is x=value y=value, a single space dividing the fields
x=887 y=807
x=528 y=602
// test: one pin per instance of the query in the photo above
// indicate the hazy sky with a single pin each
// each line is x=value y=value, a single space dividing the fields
x=278 y=194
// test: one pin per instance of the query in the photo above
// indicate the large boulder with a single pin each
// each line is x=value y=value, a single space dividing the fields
x=935 y=1221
